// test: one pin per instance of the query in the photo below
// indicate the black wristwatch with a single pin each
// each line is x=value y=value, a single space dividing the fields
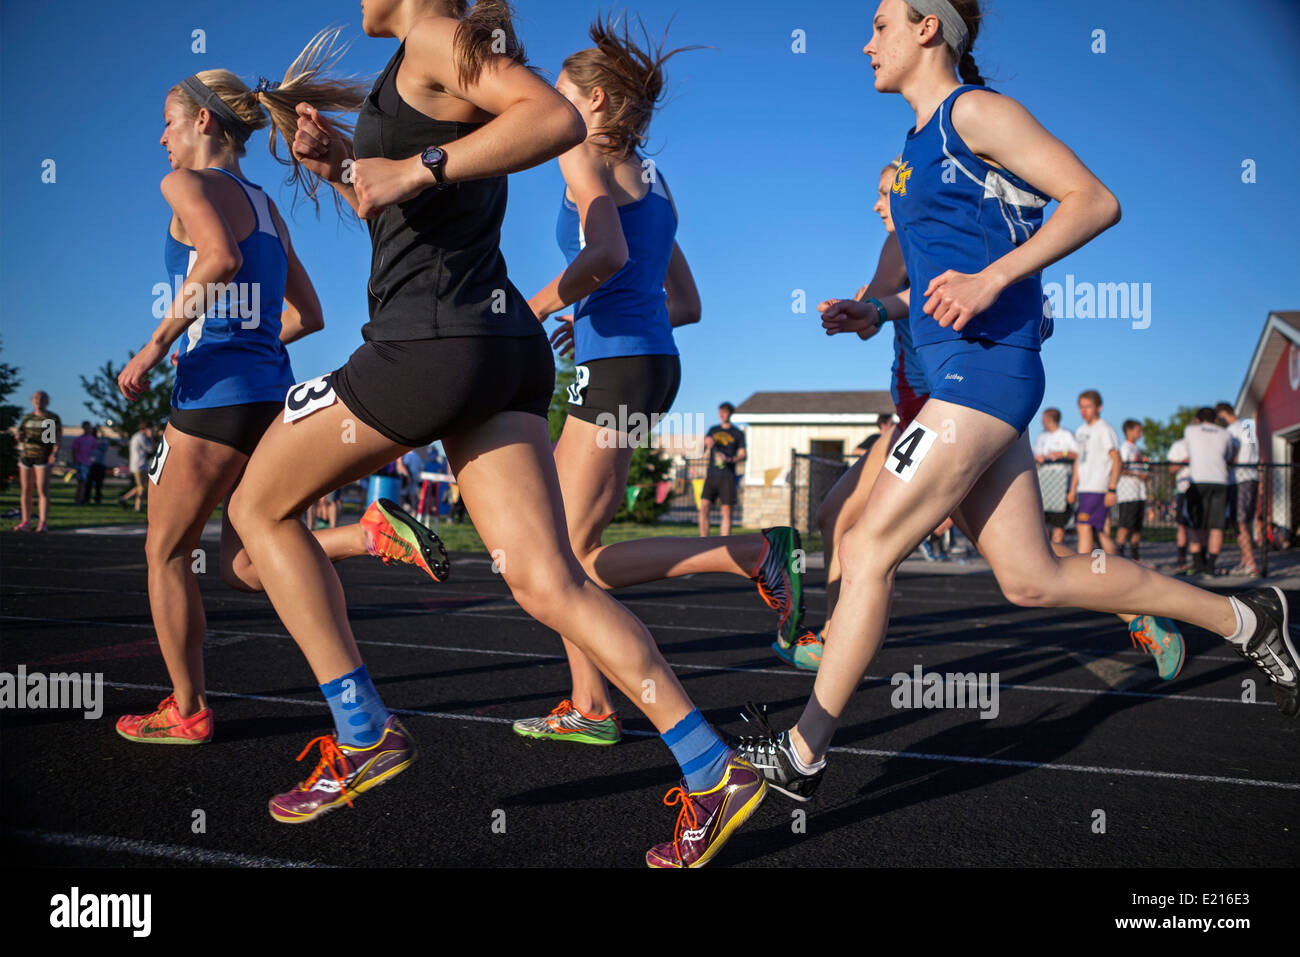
x=435 y=161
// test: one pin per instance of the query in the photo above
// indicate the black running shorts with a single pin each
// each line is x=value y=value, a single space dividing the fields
x=416 y=391
x=238 y=426
x=625 y=392
x=1207 y=506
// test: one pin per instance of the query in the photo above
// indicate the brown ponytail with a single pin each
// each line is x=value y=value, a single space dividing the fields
x=486 y=29
x=632 y=78
x=306 y=81
x=969 y=11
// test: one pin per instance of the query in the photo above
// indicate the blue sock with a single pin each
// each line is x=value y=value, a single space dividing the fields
x=698 y=750
x=359 y=715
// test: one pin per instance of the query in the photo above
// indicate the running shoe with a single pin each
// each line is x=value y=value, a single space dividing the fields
x=567 y=723
x=1161 y=638
x=343 y=772
x=393 y=535
x=780 y=580
x=707 y=819
x=1271 y=648
x=806 y=652
x=767 y=753
x=41 y=527
x=23 y=526
x=164 y=725
x=928 y=551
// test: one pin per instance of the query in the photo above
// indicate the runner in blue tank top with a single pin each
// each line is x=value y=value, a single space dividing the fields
x=974 y=254
x=239 y=295
x=631 y=286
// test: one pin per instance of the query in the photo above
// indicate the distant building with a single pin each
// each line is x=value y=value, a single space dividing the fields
x=824 y=427
x=1271 y=396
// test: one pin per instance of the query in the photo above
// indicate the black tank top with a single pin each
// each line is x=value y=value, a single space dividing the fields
x=436 y=268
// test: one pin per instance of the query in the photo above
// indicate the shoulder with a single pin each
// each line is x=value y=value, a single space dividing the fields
x=181 y=182
x=984 y=107
x=431 y=36
x=584 y=163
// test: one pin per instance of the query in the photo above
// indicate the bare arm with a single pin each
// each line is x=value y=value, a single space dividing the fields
x=605 y=252
x=683 y=296
x=302 y=309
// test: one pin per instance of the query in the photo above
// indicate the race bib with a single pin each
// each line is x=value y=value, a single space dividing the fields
x=308 y=397
x=158 y=460
x=581 y=379
x=906 y=457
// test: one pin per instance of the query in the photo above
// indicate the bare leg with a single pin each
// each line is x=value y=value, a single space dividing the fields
x=25 y=480
x=194 y=478
x=1001 y=507
x=726 y=520
x=508 y=459
x=843 y=506
x=42 y=493
x=705 y=507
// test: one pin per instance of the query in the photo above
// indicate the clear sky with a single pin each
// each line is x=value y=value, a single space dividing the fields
x=772 y=156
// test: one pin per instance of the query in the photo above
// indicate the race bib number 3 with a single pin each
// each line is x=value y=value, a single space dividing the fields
x=577 y=388
x=910 y=452
x=159 y=460
x=308 y=397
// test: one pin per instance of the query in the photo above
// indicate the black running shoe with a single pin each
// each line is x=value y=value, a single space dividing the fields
x=1271 y=648
x=766 y=751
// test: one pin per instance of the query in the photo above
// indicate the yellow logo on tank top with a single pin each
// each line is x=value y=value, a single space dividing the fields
x=900 y=179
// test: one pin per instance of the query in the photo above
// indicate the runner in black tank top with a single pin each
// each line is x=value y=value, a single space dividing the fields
x=451 y=353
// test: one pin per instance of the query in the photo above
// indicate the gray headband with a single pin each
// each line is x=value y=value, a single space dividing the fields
x=955 y=33
x=215 y=104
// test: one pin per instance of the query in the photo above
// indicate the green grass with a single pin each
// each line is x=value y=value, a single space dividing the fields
x=63 y=513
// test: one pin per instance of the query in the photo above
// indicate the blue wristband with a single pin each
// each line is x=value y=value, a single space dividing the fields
x=882 y=314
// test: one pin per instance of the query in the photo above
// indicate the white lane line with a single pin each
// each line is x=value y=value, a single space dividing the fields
x=866 y=752
x=1080 y=768
x=232 y=637
x=129 y=845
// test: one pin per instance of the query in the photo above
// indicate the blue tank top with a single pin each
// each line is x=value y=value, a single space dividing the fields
x=952 y=210
x=233 y=355
x=628 y=314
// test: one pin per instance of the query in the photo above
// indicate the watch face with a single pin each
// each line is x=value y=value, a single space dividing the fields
x=432 y=156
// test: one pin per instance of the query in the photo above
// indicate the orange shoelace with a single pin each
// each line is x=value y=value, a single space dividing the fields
x=687 y=819
x=1143 y=639
x=331 y=759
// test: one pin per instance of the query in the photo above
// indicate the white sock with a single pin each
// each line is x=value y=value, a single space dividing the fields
x=793 y=753
x=1245 y=623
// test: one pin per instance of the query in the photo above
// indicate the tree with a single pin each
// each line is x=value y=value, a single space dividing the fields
x=649 y=467
x=1157 y=437
x=559 y=411
x=9 y=377
x=107 y=404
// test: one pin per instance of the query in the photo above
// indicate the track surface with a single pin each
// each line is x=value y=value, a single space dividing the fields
x=1186 y=774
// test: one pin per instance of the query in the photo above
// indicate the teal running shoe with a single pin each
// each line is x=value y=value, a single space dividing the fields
x=1162 y=639
x=780 y=581
x=805 y=654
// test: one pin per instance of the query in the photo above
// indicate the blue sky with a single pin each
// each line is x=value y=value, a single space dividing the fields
x=772 y=156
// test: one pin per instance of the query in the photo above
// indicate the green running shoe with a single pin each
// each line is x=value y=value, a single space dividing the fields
x=780 y=581
x=567 y=723
x=805 y=654
x=1163 y=640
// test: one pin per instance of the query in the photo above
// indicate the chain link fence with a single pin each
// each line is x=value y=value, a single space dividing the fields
x=682 y=505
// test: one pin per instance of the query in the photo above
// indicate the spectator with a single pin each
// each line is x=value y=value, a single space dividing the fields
x=725 y=447
x=140 y=450
x=1131 y=492
x=409 y=467
x=1182 y=482
x=1209 y=450
x=97 y=467
x=1243 y=484
x=1096 y=473
x=882 y=423
x=38 y=434
x=1055 y=451
x=83 y=455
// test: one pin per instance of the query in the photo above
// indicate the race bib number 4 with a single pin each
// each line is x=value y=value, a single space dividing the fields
x=158 y=460
x=910 y=451
x=308 y=397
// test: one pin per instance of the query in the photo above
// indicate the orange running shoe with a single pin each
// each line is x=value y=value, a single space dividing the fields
x=393 y=535
x=166 y=726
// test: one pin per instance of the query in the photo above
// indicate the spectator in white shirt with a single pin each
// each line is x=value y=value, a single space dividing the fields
x=1096 y=473
x=1209 y=450
x=1131 y=492
x=1243 y=484
x=1055 y=451
x=1182 y=482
